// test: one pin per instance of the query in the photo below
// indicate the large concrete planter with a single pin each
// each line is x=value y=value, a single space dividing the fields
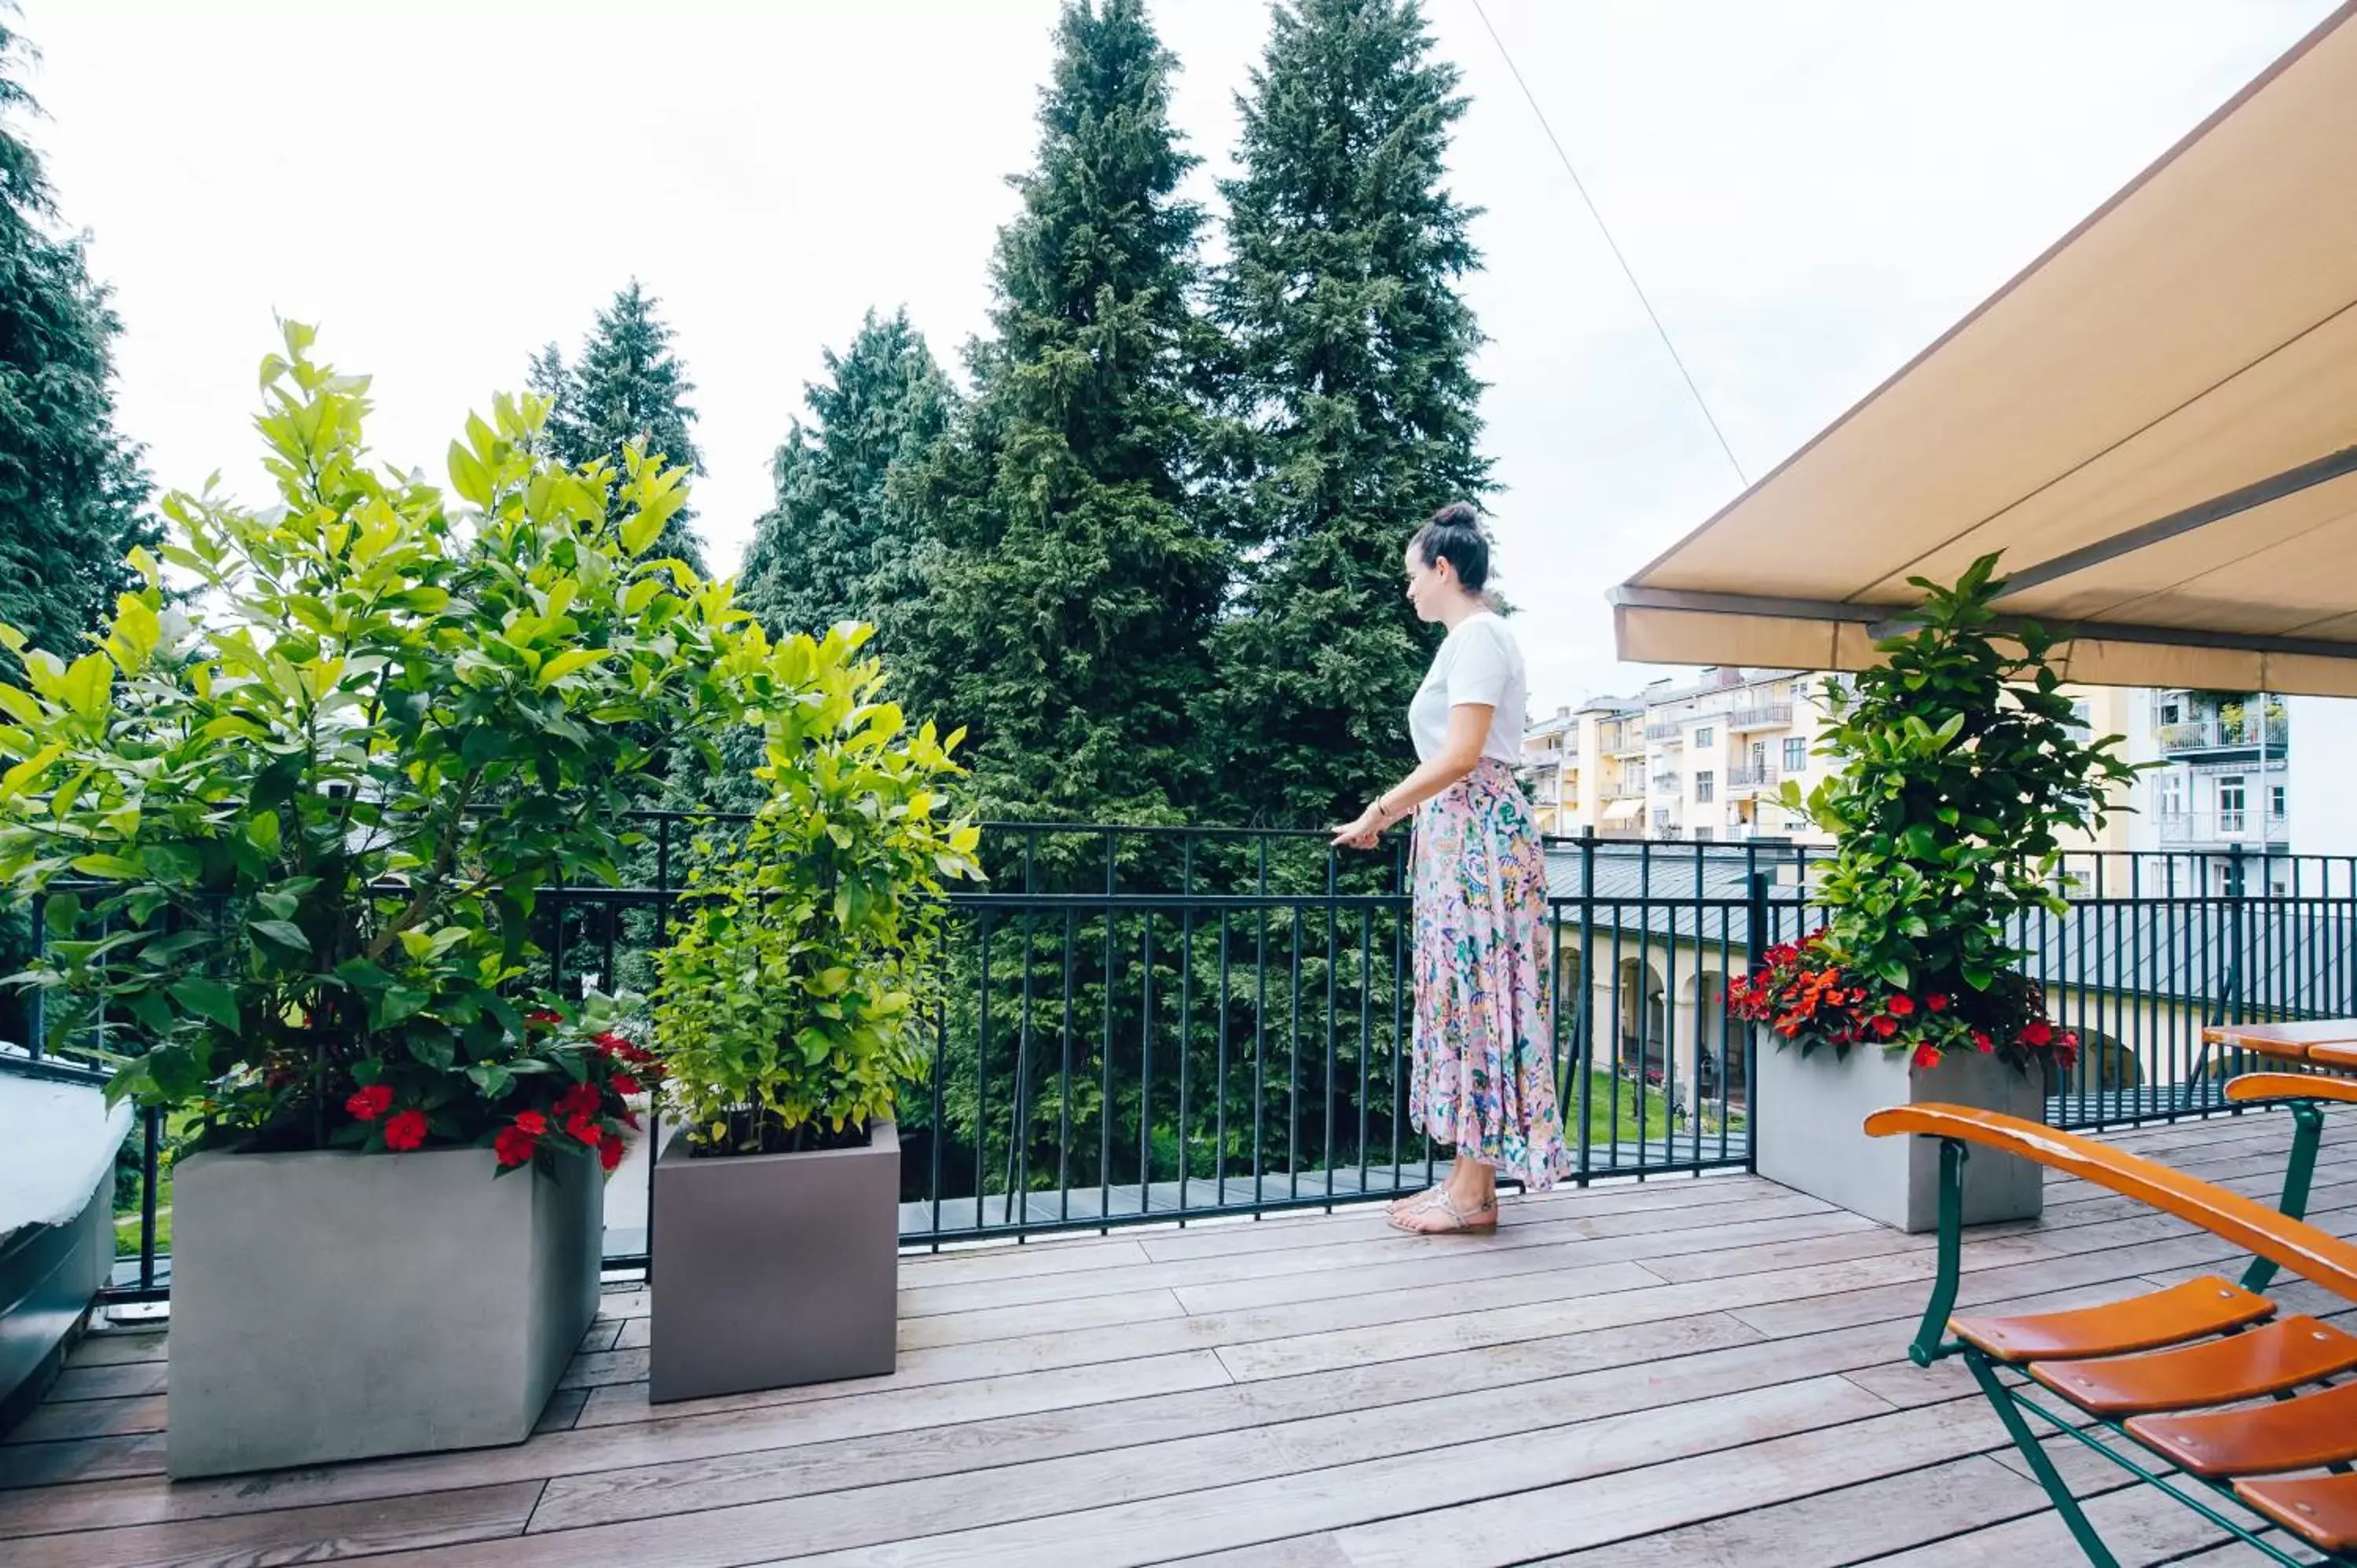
x=773 y=1269
x=1808 y=1133
x=340 y=1306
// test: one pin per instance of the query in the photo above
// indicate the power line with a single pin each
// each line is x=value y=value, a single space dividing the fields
x=1602 y=227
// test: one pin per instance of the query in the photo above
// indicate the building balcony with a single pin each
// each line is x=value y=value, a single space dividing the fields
x=2218 y=734
x=1671 y=730
x=1668 y=783
x=1753 y=776
x=1761 y=715
x=1621 y=789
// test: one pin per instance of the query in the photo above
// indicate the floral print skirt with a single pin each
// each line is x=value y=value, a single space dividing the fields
x=1483 y=1075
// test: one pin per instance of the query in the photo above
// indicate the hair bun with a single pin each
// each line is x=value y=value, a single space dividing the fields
x=1457 y=514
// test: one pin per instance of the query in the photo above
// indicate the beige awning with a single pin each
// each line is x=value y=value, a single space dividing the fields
x=1621 y=810
x=2156 y=423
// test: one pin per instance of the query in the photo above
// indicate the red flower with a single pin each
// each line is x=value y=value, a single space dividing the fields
x=2038 y=1032
x=630 y=1119
x=371 y=1102
x=578 y=1100
x=406 y=1131
x=585 y=1127
x=1927 y=1056
x=542 y=1015
x=624 y=1083
x=1981 y=1042
x=1886 y=1026
x=610 y=1043
x=609 y=1152
x=531 y=1124
x=1937 y=1003
x=1900 y=1005
x=513 y=1145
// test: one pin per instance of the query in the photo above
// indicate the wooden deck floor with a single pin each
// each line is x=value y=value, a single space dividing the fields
x=1696 y=1370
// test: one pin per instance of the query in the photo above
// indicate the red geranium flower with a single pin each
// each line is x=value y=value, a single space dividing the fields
x=406 y=1131
x=578 y=1100
x=1927 y=1056
x=513 y=1145
x=583 y=1126
x=531 y=1124
x=1900 y=1005
x=2038 y=1032
x=610 y=1043
x=624 y=1083
x=542 y=1015
x=1886 y=1026
x=1981 y=1042
x=1938 y=1003
x=610 y=1151
x=371 y=1102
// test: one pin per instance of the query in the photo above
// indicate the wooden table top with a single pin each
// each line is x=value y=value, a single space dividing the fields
x=2327 y=1042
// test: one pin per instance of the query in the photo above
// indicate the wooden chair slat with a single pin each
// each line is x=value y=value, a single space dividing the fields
x=2280 y=1355
x=2194 y=1310
x=2319 y=1509
x=2256 y=1086
x=2304 y=1433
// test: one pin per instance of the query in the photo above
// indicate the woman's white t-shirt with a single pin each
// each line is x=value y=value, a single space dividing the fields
x=1478 y=663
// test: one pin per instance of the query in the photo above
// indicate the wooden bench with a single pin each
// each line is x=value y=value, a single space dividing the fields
x=2207 y=1377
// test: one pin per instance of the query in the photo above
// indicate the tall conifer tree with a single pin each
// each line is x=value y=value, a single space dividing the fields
x=1067 y=618
x=1355 y=356
x=627 y=386
x=838 y=546
x=72 y=490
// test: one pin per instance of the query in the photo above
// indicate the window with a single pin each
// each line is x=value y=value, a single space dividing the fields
x=2232 y=801
x=1796 y=753
x=1702 y=736
x=1704 y=784
x=2082 y=716
x=1703 y=835
x=2275 y=799
x=1796 y=821
x=2169 y=795
x=2171 y=713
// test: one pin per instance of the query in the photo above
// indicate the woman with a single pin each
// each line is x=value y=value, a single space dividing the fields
x=1483 y=1079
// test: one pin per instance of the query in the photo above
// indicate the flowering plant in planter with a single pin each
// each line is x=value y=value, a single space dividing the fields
x=289 y=832
x=1807 y=997
x=792 y=1007
x=1961 y=763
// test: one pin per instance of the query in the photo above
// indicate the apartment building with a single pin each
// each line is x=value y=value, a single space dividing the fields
x=1703 y=759
x=1706 y=759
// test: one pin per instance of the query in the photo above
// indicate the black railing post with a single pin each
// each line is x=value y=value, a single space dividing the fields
x=1757 y=939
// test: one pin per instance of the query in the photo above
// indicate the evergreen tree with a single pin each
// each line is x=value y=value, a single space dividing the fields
x=629 y=386
x=73 y=489
x=1353 y=354
x=837 y=546
x=1066 y=618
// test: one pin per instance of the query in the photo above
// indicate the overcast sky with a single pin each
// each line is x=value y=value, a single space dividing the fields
x=1810 y=192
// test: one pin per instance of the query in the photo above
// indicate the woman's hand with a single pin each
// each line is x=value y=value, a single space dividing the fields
x=1363 y=833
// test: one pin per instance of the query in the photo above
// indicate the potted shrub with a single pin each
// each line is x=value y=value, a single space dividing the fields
x=1959 y=766
x=287 y=828
x=789 y=1012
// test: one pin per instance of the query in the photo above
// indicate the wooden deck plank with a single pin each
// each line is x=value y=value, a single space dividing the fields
x=1260 y=1429
x=1249 y=1512
x=1685 y=1369
x=302 y=1535
x=147 y=1499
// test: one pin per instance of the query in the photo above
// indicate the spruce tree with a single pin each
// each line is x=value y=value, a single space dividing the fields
x=837 y=545
x=1066 y=618
x=627 y=386
x=1353 y=373
x=72 y=490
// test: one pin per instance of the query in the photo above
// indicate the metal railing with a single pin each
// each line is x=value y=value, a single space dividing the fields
x=1761 y=715
x=2222 y=827
x=2218 y=732
x=1669 y=730
x=1154 y=1024
x=1753 y=775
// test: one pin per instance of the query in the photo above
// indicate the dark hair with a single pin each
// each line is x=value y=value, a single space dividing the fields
x=1455 y=535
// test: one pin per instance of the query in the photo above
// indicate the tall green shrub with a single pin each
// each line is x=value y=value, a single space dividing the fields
x=293 y=837
x=796 y=999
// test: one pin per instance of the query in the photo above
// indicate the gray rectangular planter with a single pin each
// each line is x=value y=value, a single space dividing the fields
x=1808 y=1133
x=772 y=1270
x=340 y=1306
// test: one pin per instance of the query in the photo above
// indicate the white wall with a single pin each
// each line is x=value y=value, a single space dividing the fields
x=2323 y=746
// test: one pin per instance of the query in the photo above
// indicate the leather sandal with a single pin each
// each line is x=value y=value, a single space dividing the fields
x=1459 y=1221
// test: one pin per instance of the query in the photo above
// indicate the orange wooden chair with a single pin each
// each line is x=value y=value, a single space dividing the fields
x=2207 y=1377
